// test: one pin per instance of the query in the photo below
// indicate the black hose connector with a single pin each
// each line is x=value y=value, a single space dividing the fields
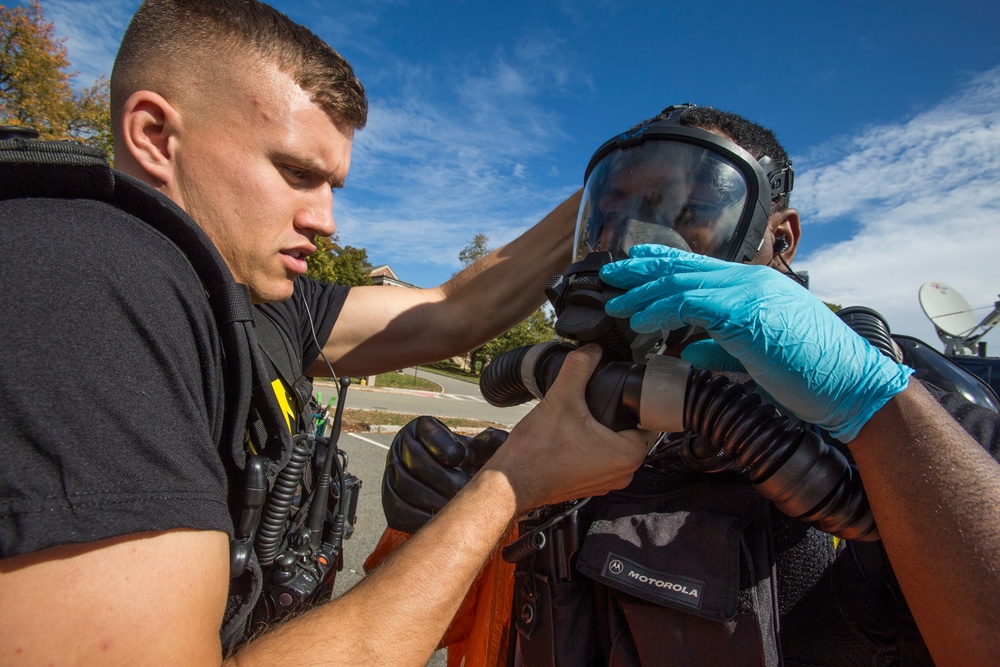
x=522 y=374
x=501 y=383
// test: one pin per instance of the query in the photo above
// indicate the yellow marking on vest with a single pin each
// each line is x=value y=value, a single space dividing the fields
x=285 y=402
x=836 y=542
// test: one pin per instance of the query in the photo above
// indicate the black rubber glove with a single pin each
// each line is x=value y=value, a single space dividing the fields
x=426 y=466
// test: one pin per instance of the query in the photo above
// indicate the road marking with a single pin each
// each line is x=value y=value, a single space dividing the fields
x=462 y=397
x=371 y=442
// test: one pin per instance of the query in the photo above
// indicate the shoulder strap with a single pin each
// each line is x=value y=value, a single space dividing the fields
x=278 y=348
x=287 y=361
x=929 y=365
x=940 y=371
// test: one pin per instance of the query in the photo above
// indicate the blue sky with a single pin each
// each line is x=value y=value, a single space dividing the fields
x=484 y=115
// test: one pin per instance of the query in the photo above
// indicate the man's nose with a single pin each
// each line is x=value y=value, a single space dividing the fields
x=326 y=226
x=318 y=217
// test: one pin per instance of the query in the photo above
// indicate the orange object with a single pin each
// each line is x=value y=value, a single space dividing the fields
x=478 y=635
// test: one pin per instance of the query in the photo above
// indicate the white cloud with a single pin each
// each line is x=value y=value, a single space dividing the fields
x=925 y=196
x=449 y=153
x=93 y=30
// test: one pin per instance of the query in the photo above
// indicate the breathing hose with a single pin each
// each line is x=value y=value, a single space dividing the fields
x=791 y=466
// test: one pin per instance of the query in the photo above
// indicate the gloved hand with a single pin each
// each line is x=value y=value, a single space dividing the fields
x=792 y=345
x=710 y=356
x=426 y=466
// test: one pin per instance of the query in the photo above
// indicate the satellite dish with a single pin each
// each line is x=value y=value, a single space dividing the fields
x=947 y=309
x=954 y=320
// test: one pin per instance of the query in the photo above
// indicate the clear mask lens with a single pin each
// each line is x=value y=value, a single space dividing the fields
x=663 y=192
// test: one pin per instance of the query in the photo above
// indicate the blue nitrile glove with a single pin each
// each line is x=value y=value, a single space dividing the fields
x=792 y=345
x=708 y=355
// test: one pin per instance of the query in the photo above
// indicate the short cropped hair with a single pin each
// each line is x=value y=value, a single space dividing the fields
x=167 y=34
x=748 y=135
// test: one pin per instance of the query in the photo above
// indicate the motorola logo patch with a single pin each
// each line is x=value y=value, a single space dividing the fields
x=626 y=574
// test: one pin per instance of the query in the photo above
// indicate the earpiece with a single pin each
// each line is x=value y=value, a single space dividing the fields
x=780 y=246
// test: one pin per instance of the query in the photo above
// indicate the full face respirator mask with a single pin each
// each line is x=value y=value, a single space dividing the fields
x=662 y=183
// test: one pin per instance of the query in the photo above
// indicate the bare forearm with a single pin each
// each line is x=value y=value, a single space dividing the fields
x=398 y=614
x=935 y=494
x=382 y=329
x=507 y=285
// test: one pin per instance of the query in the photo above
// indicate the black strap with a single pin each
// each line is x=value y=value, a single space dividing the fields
x=55 y=169
x=278 y=348
x=286 y=359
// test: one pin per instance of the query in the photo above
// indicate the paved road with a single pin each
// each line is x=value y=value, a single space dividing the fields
x=366 y=459
x=459 y=399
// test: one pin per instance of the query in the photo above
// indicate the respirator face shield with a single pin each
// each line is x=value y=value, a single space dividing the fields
x=702 y=197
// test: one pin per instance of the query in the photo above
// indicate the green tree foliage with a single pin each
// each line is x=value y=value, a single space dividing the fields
x=36 y=85
x=341 y=265
x=478 y=248
x=537 y=328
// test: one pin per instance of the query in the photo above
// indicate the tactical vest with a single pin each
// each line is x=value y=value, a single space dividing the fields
x=267 y=400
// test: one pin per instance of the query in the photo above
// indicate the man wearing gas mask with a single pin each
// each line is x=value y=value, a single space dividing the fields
x=747 y=538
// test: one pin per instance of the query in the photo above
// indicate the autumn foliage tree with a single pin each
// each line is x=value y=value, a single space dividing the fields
x=36 y=83
x=342 y=265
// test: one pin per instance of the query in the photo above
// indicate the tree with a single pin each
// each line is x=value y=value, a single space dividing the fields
x=342 y=265
x=537 y=328
x=477 y=249
x=36 y=85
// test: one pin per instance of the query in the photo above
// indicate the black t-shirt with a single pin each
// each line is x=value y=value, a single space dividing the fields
x=110 y=379
x=313 y=304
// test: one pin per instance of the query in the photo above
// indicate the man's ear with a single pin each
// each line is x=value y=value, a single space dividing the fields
x=785 y=225
x=149 y=127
